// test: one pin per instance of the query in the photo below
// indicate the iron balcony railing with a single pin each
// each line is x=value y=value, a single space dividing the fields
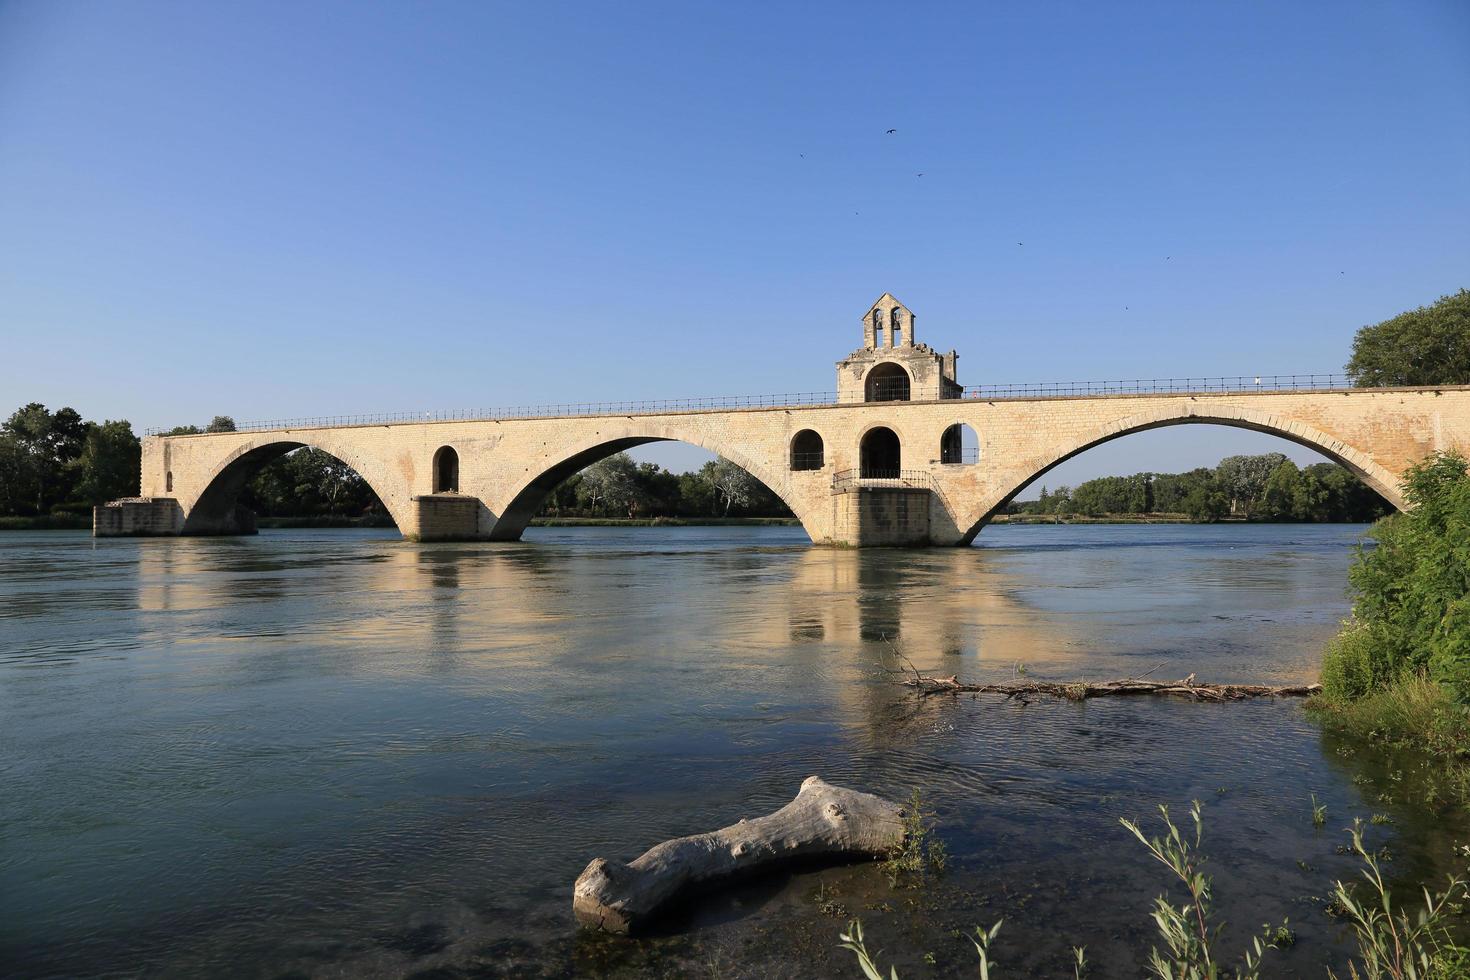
x=813 y=399
x=879 y=477
x=808 y=461
x=888 y=390
x=1238 y=384
x=951 y=456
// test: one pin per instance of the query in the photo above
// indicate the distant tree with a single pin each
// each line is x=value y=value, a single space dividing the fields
x=732 y=486
x=1281 y=498
x=110 y=462
x=610 y=484
x=1243 y=479
x=1205 y=503
x=696 y=495
x=310 y=483
x=14 y=493
x=184 y=430
x=1426 y=346
x=220 y=423
x=48 y=444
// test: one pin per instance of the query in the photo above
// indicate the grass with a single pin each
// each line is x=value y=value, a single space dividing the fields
x=1392 y=943
x=921 y=851
x=1413 y=713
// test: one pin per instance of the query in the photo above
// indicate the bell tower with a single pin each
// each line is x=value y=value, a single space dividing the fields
x=888 y=324
x=891 y=365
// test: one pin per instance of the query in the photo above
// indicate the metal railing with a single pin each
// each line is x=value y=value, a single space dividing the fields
x=957 y=456
x=874 y=477
x=1164 y=386
x=808 y=461
x=812 y=399
x=888 y=390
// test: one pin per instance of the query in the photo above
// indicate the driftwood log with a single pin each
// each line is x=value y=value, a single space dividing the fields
x=823 y=819
x=1082 y=690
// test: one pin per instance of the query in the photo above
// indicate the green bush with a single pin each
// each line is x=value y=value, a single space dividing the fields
x=1411 y=613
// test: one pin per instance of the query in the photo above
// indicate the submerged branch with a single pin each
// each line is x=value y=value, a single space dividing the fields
x=926 y=686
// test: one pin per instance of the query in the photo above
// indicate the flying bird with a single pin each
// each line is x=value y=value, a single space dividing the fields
x=920 y=175
x=891 y=131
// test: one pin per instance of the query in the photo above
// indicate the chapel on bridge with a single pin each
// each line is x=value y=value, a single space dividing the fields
x=891 y=366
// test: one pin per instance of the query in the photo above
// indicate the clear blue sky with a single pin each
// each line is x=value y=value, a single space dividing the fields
x=268 y=209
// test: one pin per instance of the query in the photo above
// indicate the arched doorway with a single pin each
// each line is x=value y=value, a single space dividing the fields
x=446 y=470
x=880 y=455
x=887 y=382
x=807 y=451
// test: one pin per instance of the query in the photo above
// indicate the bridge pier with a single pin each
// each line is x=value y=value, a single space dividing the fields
x=138 y=517
x=880 y=517
x=447 y=517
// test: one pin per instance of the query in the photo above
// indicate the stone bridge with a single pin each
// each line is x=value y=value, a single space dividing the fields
x=884 y=472
x=901 y=454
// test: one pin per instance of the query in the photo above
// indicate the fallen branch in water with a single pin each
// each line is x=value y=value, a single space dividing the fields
x=1082 y=690
x=1188 y=687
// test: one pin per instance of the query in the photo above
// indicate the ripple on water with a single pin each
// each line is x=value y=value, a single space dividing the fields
x=337 y=753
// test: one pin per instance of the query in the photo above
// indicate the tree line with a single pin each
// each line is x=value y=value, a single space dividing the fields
x=59 y=463
x=619 y=487
x=310 y=483
x=1267 y=487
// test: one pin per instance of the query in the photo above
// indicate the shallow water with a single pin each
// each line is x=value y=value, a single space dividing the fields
x=334 y=753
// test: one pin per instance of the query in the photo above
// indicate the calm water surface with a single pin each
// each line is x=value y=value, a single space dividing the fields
x=334 y=753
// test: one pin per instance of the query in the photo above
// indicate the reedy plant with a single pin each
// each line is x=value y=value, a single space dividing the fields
x=1188 y=936
x=1394 y=945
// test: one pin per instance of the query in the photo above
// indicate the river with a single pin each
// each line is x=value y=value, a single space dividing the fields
x=335 y=753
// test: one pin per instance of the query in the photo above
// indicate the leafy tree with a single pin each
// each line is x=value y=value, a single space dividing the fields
x=696 y=495
x=1280 y=496
x=1205 y=503
x=14 y=496
x=1426 y=346
x=1243 y=479
x=184 y=430
x=310 y=483
x=110 y=462
x=610 y=484
x=732 y=486
x=47 y=445
x=220 y=423
x=1412 y=608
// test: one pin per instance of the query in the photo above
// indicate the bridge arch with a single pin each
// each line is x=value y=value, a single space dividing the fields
x=213 y=510
x=1025 y=472
x=547 y=472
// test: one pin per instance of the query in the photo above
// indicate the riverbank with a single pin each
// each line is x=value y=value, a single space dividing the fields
x=1101 y=519
x=664 y=522
x=47 y=522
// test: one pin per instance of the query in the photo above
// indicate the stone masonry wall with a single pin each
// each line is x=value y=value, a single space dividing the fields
x=1377 y=433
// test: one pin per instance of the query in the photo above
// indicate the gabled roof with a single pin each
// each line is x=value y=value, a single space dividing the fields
x=888 y=301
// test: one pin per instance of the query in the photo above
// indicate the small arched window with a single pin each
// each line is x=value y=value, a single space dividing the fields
x=895 y=320
x=958 y=445
x=807 y=451
x=446 y=470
